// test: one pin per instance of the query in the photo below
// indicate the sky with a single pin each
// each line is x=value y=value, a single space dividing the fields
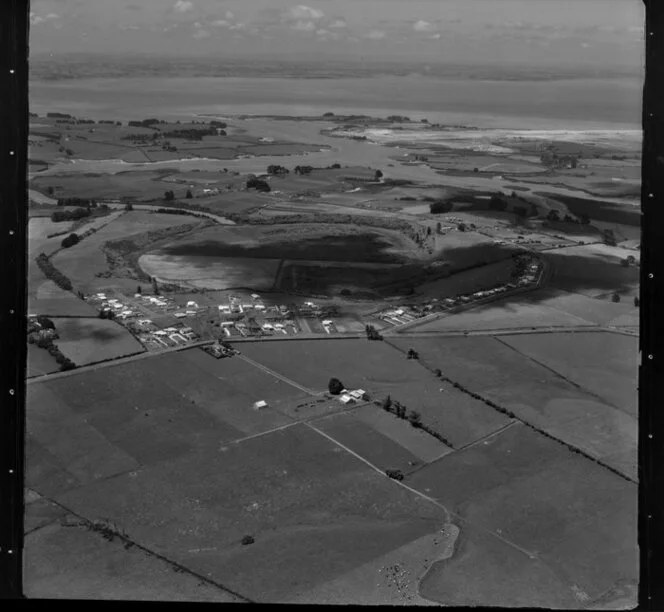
x=531 y=32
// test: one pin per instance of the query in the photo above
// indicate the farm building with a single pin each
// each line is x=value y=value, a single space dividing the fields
x=191 y=304
x=346 y=399
x=359 y=394
x=260 y=405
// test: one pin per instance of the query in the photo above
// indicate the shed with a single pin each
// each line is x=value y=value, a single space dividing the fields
x=346 y=399
x=259 y=405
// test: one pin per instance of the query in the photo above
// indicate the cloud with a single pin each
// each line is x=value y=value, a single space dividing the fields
x=37 y=19
x=435 y=36
x=183 y=6
x=221 y=23
x=376 y=35
x=305 y=13
x=338 y=23
x=201 y=34
x=423 y=26
x=304 y=26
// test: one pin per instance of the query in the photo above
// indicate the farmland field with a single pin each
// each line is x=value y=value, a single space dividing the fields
x=534 y=394
x=362 y=364
x=523 y=489
x=87 y=341
x=503 y=314
x=40 y=362
x=576 y=357
x=306 y=504
x=378 y=449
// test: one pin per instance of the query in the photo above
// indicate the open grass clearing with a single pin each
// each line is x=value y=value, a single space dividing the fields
x=86 y=341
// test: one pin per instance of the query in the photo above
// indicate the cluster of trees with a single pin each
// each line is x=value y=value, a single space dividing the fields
x=258 y=184
x=412 y=354
x=59 y=116
x=398 y=118
x=192 y=133
x=218 y=124
x=554 y=215
x=58 y=216
x=85 y=121
x=74 y=201
x=175 y=211
x=335 y=386
x=615 y=297
x=141 y=138
x=609 y=237
x=497 y=202
x=401 y=412
x=109 y=122
x=169 y=196
x=106 y=313
x=70 y=241
x=413 y=417
x=372 y=333
x=41 y=322
x=52 y=273
x=303 y=169
x=145 y=123
x=440 y=206
x=630 y=260
x=275 y=169
x=46 y=342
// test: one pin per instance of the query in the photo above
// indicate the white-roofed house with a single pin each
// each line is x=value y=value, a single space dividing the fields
x=260 y=405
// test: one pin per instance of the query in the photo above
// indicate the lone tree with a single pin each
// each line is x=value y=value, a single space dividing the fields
x=412 y=354
x=50 y=190
x=247 y=540
x=335 y=386
x=439 y=227
x=615 y=297
x=189 y=194
x=372 y=333
x=387 y=404
x=155 y=287
x=129 y=207
x=438 y=373
x=636 y=301
x=378 y=175
x=169 y=196
x=139 y=290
